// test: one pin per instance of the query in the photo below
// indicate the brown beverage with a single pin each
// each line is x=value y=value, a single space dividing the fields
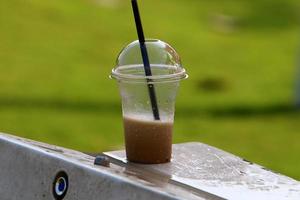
x=148 y=141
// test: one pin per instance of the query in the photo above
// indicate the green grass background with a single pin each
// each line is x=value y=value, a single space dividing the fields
x=55 y=58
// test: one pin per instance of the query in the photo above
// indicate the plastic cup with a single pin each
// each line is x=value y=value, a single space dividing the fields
x=147 y=140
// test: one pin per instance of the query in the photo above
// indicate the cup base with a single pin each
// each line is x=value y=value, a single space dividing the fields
x=149 y=161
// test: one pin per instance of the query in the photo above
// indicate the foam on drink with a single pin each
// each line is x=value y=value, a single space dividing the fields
x=148 y=141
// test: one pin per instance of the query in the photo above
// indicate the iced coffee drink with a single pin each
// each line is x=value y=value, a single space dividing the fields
x=148 y=141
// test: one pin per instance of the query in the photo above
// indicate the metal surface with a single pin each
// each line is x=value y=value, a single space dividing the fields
x=31 y=170
x=202 y=168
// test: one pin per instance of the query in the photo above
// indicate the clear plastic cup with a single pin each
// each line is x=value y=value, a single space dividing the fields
x=148 y=140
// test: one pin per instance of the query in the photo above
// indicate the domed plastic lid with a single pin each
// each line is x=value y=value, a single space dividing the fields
x=164 y=62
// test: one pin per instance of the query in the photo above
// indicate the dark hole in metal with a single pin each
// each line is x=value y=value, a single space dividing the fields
x=60 y=185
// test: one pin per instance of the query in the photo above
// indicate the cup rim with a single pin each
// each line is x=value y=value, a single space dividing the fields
x=154 y=78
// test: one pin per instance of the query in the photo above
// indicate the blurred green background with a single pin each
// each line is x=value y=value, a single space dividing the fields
x=56 y=55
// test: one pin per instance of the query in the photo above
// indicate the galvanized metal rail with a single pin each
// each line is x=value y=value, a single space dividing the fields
x=31 y=170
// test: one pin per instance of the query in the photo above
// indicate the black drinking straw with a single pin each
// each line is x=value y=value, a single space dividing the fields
x=145 y=57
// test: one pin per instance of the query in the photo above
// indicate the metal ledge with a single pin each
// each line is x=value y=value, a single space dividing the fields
x=28 y=170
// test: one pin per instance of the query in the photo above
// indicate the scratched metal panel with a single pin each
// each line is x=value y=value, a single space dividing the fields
x=204 y=168
x=28 y=169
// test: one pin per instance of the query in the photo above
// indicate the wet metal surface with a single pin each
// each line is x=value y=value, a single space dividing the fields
x=202 y=168
x=28 y=170
x=197 y=172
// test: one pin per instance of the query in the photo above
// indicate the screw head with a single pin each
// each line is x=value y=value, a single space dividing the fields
x=102 y=160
